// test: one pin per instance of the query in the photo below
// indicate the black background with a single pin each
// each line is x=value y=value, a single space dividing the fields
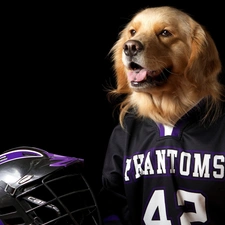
x=55 y=68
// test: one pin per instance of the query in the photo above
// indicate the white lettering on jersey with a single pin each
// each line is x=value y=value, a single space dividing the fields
x=219 y=172
x=201 y=169
x=171 y=161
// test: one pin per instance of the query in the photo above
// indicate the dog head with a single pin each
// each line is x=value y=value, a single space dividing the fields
x=165 y=62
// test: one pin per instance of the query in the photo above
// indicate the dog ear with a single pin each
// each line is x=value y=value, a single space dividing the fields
x=122 y=86
x=204 y=61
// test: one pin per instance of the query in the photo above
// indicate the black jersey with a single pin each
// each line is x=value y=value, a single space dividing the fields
x=160 y=175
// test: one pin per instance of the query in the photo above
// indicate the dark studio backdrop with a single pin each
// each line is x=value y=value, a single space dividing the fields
x=55 y=69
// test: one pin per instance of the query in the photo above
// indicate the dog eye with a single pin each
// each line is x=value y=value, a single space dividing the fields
x=132 y=32
x=165 y=33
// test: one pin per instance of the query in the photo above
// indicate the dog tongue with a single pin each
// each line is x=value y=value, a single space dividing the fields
x=137 y=75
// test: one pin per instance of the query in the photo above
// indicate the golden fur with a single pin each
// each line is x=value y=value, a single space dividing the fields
x=165 y=38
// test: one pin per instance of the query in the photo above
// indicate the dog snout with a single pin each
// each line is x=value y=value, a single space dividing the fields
x=132 y=47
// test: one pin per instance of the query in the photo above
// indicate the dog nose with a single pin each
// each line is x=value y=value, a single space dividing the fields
x=132 y=47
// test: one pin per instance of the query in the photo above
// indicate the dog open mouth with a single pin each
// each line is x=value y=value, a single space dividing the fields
x=140 y=77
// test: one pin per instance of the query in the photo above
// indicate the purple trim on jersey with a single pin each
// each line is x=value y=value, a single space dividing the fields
x=178 y=127
x=18 y=154
x=161 y=130
x=60 y=160
x=1 y=223
x=110 y=218
x=175 y=130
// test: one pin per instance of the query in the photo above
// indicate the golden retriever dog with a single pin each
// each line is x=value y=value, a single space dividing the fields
x=165 y=158
x=165 y=63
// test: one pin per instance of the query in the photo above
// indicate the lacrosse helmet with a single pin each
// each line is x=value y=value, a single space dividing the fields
x=38 y=187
